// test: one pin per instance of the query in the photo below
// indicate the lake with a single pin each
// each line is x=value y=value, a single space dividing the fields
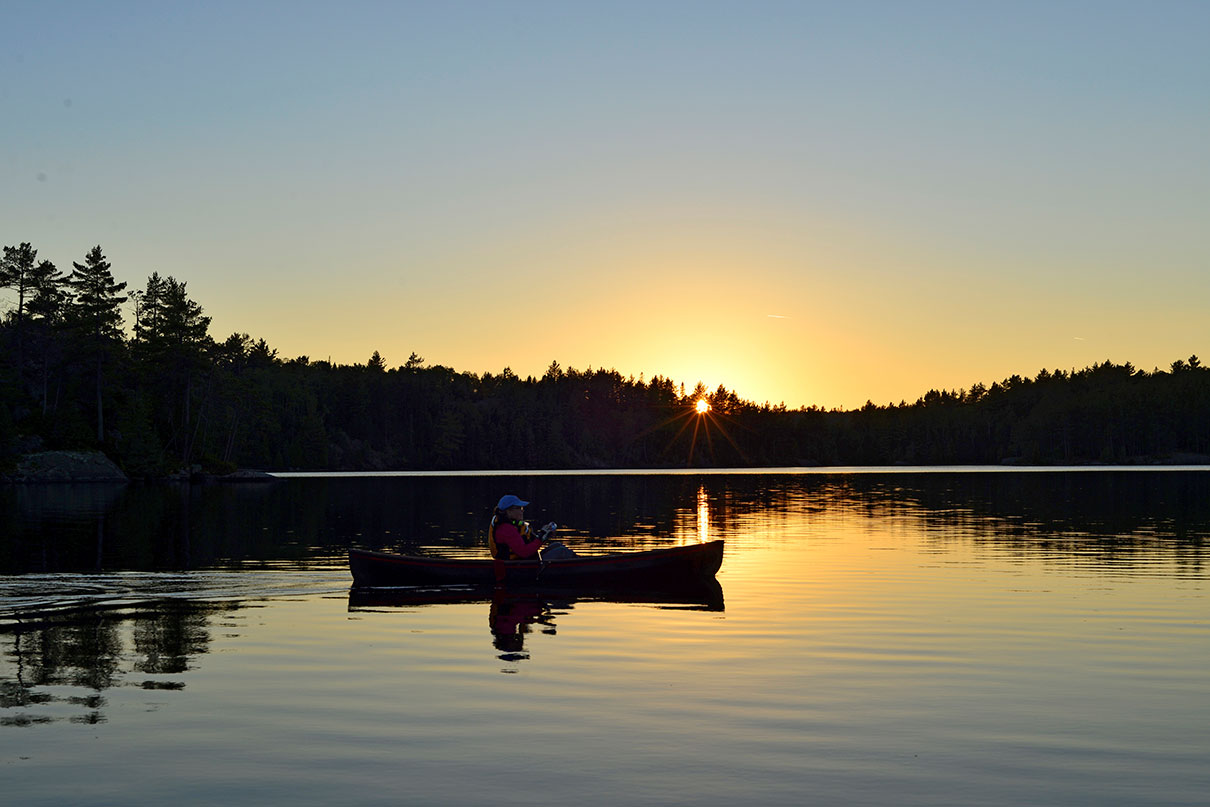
x=882 y=637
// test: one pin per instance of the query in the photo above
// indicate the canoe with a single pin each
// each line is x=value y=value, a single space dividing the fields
x=655 y=568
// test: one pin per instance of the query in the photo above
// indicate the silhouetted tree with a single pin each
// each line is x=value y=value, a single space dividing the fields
x=95 y=311
x=171 y=343
x=177 y=394
x=46 y=310
x=16 y=272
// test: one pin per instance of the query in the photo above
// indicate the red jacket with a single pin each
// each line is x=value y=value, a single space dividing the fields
x=511 y=543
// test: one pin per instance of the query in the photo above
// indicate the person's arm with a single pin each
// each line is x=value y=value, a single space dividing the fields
x=510 y=536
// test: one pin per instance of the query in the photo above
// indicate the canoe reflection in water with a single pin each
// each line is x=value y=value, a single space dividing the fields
x=514 y=613
x=527 y=592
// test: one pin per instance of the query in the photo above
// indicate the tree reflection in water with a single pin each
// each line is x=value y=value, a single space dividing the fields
x=309 y=523
x=59 y=666
x=47 y=660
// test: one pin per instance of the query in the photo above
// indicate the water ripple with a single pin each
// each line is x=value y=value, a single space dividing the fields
x=35 y=596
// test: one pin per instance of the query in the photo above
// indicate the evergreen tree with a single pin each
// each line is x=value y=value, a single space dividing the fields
x=48 y=294
x=95 y=311
x=16 y=272
x=16 y=268
x=172 y=341
x=47 y=309
x=149 y=310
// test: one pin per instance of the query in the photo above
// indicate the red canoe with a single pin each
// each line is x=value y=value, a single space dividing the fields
x=660 y=568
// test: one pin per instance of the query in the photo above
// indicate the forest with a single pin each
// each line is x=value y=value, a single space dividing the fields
x=88 y=363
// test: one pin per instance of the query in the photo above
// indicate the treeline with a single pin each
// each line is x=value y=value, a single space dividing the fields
x=86 y=362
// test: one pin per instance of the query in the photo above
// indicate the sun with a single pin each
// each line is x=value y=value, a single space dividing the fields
x=702 y=406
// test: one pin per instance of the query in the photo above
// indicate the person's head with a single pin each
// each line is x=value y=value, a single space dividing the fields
x=512 y=507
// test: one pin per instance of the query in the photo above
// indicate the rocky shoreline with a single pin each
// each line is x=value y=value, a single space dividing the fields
x=66 y=466
x=93 y=466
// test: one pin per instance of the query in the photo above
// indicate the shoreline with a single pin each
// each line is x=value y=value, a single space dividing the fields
x=93 y=467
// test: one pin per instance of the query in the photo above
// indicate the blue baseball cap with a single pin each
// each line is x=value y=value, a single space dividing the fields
x=510 y=501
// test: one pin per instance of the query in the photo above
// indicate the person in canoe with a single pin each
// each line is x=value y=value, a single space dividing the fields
x=510 y=538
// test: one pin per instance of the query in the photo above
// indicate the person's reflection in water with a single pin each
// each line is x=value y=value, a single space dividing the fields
x=510 y=619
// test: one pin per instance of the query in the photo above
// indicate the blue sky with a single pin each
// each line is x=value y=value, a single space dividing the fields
x=812 y=203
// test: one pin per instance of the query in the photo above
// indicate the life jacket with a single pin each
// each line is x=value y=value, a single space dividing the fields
x=500 y=551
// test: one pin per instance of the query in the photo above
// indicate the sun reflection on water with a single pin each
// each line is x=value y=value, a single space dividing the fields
x=703 y=516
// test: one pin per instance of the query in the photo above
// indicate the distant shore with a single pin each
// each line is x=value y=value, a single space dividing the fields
x=56 y=467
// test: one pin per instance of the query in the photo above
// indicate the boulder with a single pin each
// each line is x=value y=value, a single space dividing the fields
x=67 y=466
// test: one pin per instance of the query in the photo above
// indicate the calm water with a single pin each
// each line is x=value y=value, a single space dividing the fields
x=947 y=638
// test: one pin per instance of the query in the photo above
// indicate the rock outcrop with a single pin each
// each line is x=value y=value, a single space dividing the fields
x=67 y=466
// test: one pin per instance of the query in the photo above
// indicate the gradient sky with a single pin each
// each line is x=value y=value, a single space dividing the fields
x=811 y=203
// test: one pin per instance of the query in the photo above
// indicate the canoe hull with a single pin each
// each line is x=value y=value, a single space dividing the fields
x=656 y=568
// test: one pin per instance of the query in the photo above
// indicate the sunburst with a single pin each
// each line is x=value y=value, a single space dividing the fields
x=705 y=421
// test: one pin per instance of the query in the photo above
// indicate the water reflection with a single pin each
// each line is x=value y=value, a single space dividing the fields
x=512 y=615
x=1016 y=638
x=312 y=521
x=60 y=667
x=71 y=632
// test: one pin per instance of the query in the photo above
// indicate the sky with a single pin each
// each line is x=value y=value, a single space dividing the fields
x=809 y=203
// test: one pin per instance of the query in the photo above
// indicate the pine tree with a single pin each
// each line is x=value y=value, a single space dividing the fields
x=16 y=270
x=46 y=309
x=95 y=312
x=171 y=341
x=149 y=310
